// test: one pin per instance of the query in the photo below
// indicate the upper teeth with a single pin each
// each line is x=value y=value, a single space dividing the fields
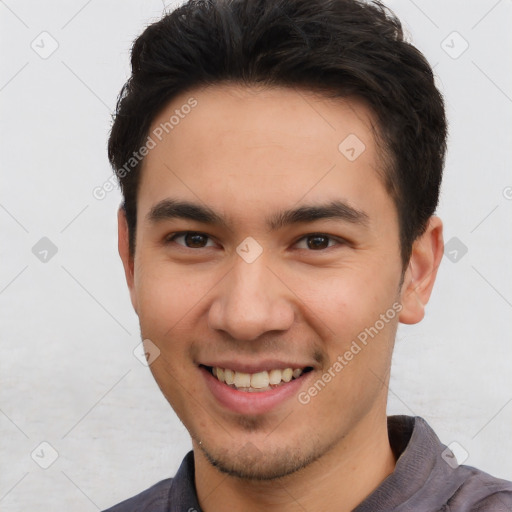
x=258 y=380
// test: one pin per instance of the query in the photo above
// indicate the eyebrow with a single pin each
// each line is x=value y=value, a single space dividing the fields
x=336 y=209
x=171 y=209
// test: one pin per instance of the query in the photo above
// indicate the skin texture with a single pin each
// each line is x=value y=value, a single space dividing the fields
x=248 y=153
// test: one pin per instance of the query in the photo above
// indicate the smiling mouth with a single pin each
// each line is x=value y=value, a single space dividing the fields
x=256 y=382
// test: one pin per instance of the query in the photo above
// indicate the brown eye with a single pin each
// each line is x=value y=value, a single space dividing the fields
x=318 y=242
x=195 y=240
x=192 y=240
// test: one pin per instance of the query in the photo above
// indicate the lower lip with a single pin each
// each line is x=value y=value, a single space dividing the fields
x=258 y=402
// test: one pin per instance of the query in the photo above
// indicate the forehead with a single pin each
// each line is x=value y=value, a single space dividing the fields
x=240 y=144
x=266 y=113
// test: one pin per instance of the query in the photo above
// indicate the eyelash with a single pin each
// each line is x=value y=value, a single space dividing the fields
x=174 y=236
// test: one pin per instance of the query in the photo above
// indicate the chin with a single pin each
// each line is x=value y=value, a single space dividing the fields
x=251 y=463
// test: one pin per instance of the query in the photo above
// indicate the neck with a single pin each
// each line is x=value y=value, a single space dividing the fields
x=338 y=481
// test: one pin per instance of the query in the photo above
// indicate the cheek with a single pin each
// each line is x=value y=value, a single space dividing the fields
x=359 y=354
x=166 y=292
x=346 y=300
x=168 y=302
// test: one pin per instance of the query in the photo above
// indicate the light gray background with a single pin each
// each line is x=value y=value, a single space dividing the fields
x=68 y=373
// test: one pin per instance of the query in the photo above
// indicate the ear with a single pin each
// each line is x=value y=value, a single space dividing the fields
x=123 y=245
x=419 y=278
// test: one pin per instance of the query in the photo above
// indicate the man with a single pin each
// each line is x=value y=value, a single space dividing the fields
x=280 y=162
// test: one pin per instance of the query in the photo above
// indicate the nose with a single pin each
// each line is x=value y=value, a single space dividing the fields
x=251 y=300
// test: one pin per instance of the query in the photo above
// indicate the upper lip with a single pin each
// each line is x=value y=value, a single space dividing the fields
x=255 y=367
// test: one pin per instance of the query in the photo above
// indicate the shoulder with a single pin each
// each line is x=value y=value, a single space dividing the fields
x=154 y=499
x=427 y=476
x=176 y=493
x=498 y=502
x=483 y=492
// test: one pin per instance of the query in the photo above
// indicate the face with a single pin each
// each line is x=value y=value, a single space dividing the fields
x=266 y=243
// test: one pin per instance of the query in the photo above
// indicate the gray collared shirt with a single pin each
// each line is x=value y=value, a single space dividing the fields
x=426 y=479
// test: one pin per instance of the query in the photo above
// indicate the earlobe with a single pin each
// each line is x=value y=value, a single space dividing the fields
x=426 y=255
x=123 y=245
